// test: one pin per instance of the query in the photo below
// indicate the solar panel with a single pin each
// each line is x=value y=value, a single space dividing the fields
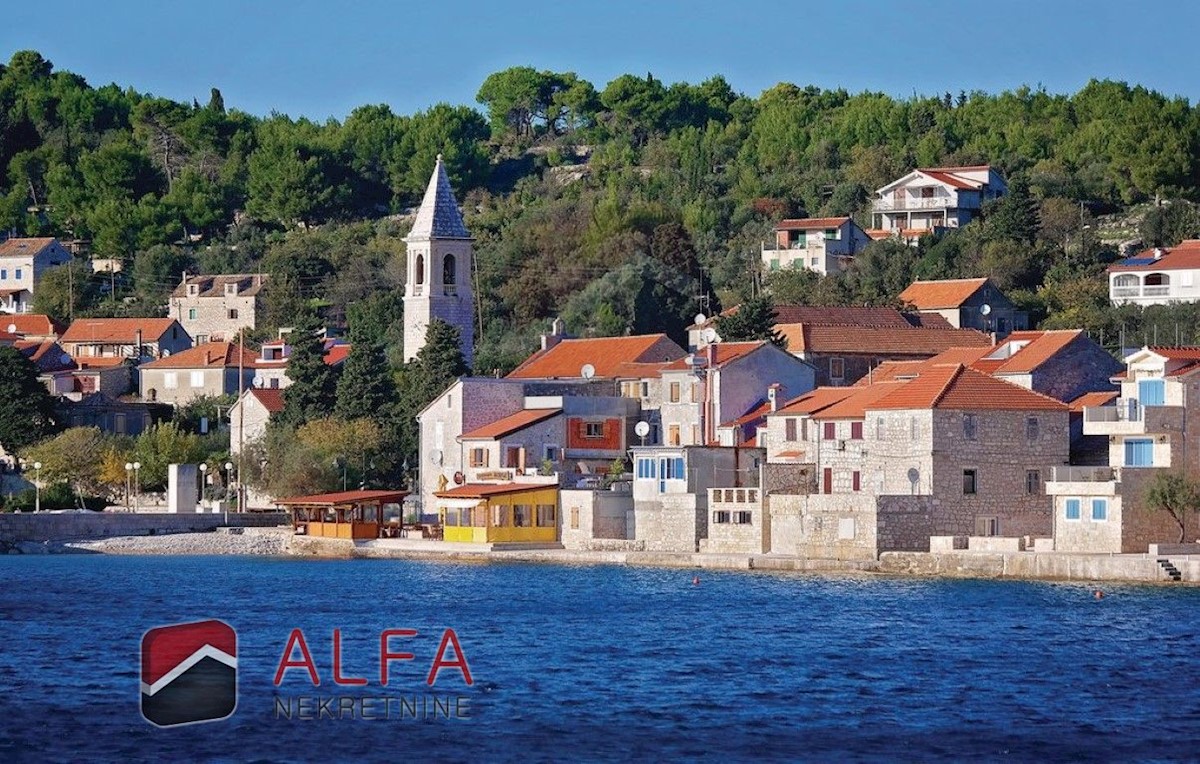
x=1137 y=261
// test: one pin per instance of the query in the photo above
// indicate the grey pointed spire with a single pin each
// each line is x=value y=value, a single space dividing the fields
x=438 y=217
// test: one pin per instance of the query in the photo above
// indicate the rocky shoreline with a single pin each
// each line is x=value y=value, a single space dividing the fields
x=236 y=541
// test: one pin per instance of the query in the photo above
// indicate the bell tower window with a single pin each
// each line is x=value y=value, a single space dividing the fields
x=449 y=276
x=419 y=267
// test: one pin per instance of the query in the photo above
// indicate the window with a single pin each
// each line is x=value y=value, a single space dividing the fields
x=830 y=431
x=575 y=518
x=815 y=262
x=837 y=368
x=774 y=263
x=969 y=426
x=522 y=517
x=233 y=314
x=191 y=314
x=449 y=276
x=721 y=516
x=742 y=517
x=550 y=453
x=827 y=480
x=1099 y=509
x=420 y=269
x=197 y=379
x=1033 y=482
x=170 y=380
x=856 y=431
x=674 y=392
x=545 y=515
x=512 y=457
x=500 y=516
x=879 y=431
x=193 y=290
x=673 y=469
x=1072 y=511
x=969 y=482
x=479 y=457
x=696 y=392
x=856 y=481
x=593 y=429
x=646 y=468
x=987 y=526
x=673 y=435
x=1151 y=392
x=789 y=429
x=695 y=435
x=1139 y=452
x=1032 y=428
x=4 y=273
x=831 y=234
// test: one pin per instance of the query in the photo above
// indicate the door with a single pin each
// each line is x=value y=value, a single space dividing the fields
x=1151 y=392
x=827 y=480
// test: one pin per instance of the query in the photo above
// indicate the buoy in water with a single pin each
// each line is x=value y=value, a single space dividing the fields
x=1098 y=594
x=695 y=580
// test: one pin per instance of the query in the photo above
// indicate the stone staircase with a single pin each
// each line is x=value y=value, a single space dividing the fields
x=1169 y=568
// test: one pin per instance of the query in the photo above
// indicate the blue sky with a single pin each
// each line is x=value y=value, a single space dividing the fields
x=322 y=59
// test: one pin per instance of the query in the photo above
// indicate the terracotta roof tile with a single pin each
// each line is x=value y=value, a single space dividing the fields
x=117 y=330
x=249 y=284
x=1176 y=353
x=957 y=387
x=210 y=355
x=346 y=497
x=855 y=406
x=808 y=224
x=820 y=315
x=510 y=424
x=725 y=352
x=1089 y=400
x=30 y=324
x=1041 y=347
x=337 y=353
x=24 y=247
x=45 y=354
x=1185 y=256
x=878 y=340
x=939 y=295
x=814 y=401
x=890 y=371
x=607 y=355
x=950 y=179
x=270 y=397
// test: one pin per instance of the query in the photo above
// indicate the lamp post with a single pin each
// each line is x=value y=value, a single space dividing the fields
x=341 y=463
x=203 y=480
x=37 y=487
x=229 y=482
x=137 y=486
x=128 y=483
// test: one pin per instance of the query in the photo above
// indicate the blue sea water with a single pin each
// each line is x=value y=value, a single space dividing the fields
x=608 y=663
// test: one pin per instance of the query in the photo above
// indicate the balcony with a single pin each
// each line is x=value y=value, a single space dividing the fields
x=1155 y=293
x=914 y=203
x=1129 y=417
x=1083 y=481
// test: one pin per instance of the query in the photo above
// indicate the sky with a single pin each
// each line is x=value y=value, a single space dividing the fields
x=323 y=59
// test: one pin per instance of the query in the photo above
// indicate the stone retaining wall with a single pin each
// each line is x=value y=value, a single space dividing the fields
x=52 y=526
x=1032 y=565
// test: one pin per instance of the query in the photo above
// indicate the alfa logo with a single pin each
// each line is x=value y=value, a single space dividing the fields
x=189 y=673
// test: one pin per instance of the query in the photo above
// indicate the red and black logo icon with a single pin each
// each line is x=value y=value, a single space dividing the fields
x=189 y=673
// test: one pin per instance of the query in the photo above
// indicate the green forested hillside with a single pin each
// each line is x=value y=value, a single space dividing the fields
x=624 y=208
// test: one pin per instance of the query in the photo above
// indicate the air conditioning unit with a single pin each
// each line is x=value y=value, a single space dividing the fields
x=841 y=445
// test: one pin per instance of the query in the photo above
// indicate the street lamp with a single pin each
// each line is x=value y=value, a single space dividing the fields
x=203 y=481
x=339 y=462
x=229 y=483
x=128 y=483
x=137 y=486
x=37 y=487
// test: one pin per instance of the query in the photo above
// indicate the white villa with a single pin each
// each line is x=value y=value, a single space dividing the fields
x=824 y=245
x=935 y=197
x=1157 y=276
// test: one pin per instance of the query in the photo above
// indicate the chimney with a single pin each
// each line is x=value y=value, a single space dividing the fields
x=773 y=396
x=1158 y=253
x=557 y=332
x=138 y=345
x=185 y=275
x=710 y=351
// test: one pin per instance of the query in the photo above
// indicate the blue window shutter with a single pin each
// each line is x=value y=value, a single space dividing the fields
x=1151 y=392
x=1099 y=509
x=1072 y=509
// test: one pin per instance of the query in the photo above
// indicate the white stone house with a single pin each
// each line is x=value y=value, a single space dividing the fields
x=272 y=360
x=249 y=415
x=1149 y=430
x=823 y=245
x=211 y=369
x=121 y=338
x=22 y=265
x=935 y=197
x=1157 y=276
x=216 y=308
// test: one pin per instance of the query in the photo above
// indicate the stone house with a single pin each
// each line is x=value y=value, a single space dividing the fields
x=212 y=369
x=1158 y=276
x=32 y=326
x=119 y=338
x=671 y=492
x=594 y=517
x=1149 y=430
x=53 y=364
x=115 y=416
x=249 y=415
x=273 y=359
x=23 y=262
x=935 y=197
x=823 y=245
x=699 y=393
x=967 y=304
x=216 y=308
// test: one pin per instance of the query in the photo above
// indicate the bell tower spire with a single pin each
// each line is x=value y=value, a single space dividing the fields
x=438 y=283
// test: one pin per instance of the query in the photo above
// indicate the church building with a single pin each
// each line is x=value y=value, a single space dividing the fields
x=438 y=283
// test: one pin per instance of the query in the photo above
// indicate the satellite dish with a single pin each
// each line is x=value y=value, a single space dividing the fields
x=435 y=456
x=12 y=328
x=700 y=318
x=985 y=309
x=709 y=335
x=258 y=381
x=65 y=358
x=459 y=478
x=588 y=371
x=642 y=429
x=914 y=476
x=165 y=352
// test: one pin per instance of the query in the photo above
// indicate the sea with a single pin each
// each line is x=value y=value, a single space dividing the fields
x=596 y=663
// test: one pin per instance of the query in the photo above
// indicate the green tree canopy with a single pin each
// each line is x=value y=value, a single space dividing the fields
x=26 y=408
x=1175 y=493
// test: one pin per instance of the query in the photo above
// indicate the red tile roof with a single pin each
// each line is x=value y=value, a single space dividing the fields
x=100 y=362
x=755 y=414
x=878 y=340
x=335 y=354
x=1089 y=400
x=939 y=295
x=24 y=247
x=1185 y=256
x=1041 y=347
x=249 y=284
x=890 y=371
x=725 y=352
x=957 y=387
x=815 y=400
x=807 y=224
x=952 y=180
x=511 y=423
x=116 y=330
x=605 y=354
x=270 y=397
x=346 y=497
x=1176 y=353
x=819 y=315
x=30 y=324
x=484 y=490
x=210 y=355
x=856 y=405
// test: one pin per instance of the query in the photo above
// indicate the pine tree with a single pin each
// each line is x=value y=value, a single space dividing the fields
x=26 y=409
x=437 y=364
x=366 y=388
x=754 y=320
x=313 y=392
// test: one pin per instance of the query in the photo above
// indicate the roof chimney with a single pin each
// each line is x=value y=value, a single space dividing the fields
x=1158 y=253
x=556 y=335
x=710 y=351
x=773 y=395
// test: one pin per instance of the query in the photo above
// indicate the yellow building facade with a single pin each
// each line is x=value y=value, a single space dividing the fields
x=486 y=513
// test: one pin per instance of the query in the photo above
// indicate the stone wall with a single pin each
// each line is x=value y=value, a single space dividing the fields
x=590 y=515
x=730 y=536
x=54 y=526
x=673 y=523
x=789 y=478
x=212 y=315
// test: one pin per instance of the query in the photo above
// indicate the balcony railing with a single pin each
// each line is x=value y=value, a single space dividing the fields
x=1156 y=291
x=931 y=203
x=1125 y=410
x=1082 y=474
x=1149 y=291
